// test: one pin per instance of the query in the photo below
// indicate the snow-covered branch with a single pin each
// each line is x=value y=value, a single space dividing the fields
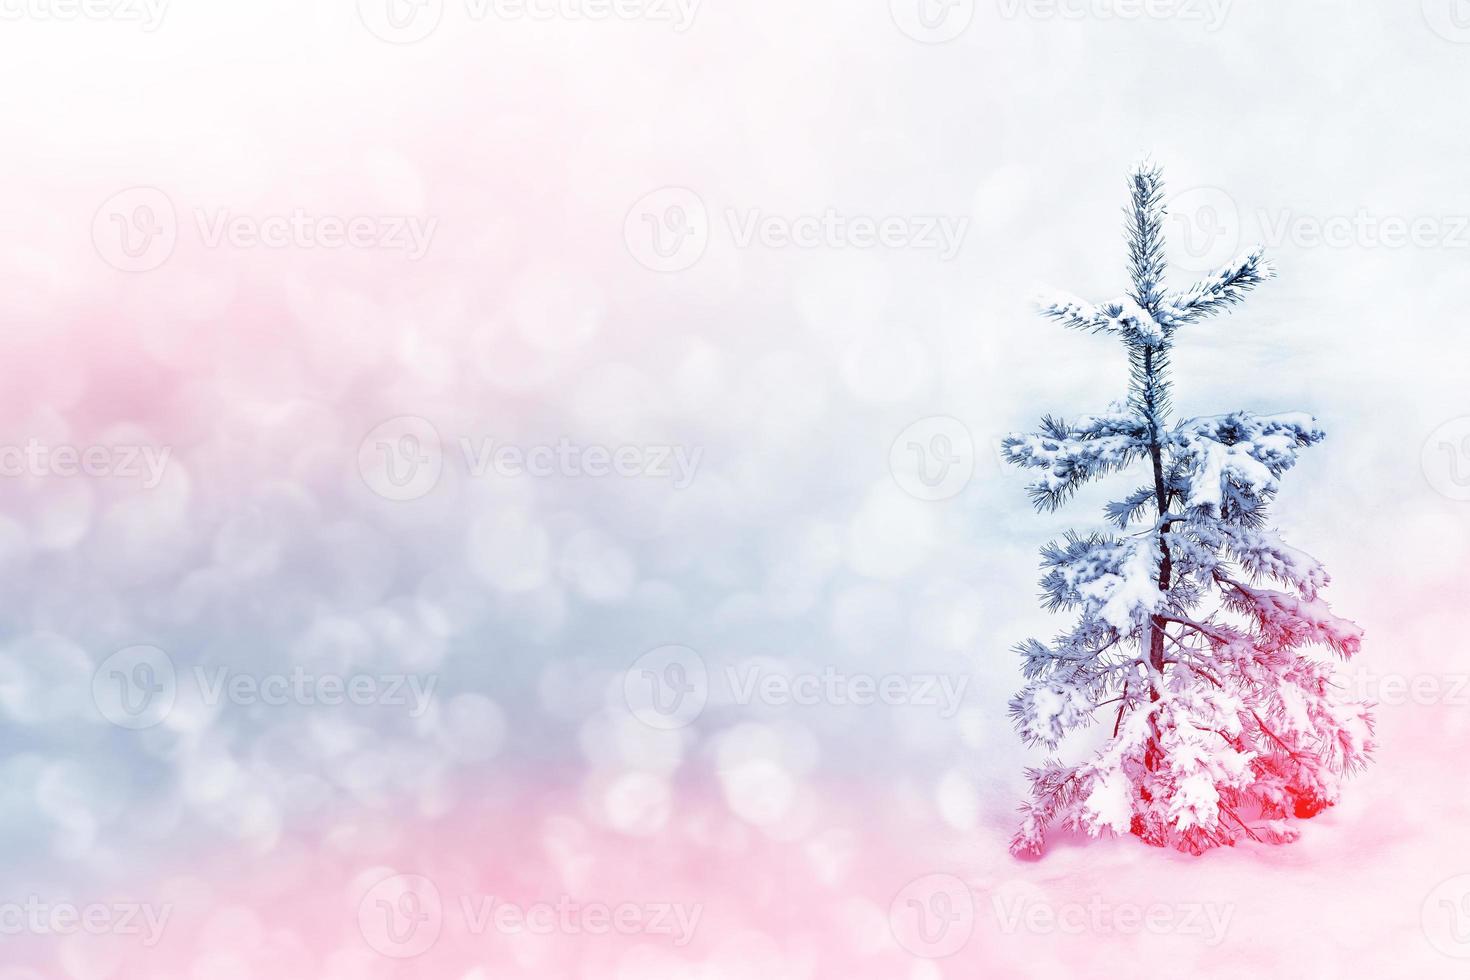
x=1227 y=287
x=1072 y=454
x=1239 y=456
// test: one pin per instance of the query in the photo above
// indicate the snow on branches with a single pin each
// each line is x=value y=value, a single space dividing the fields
x=1071 y=454
x=1195 y=624
x=1237 y=458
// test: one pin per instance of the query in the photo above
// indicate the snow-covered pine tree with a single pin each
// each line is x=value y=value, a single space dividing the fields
x=1195 y=617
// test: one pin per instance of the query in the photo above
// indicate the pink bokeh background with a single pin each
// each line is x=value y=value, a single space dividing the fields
x=801 y=832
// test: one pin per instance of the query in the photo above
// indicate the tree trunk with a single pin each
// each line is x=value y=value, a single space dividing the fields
x=1153 y=752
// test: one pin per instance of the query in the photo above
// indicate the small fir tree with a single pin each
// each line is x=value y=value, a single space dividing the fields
x=1194 y=617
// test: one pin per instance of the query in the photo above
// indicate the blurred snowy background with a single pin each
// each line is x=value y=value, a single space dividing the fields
x=546 y=450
